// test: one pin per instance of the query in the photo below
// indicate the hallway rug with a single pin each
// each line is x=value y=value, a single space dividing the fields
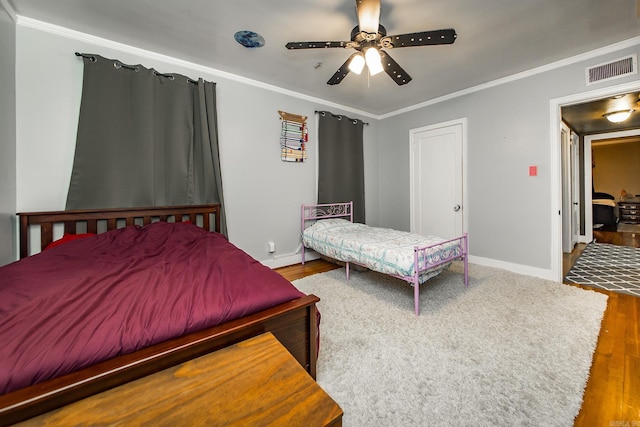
x=508 y=350
x=611 y=267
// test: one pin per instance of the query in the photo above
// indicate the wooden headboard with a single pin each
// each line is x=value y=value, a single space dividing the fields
x=101 y=220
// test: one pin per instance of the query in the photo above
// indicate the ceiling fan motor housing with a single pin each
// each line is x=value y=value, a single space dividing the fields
x=361 y=36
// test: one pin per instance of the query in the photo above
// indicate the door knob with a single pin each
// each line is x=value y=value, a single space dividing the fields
x=456 y=208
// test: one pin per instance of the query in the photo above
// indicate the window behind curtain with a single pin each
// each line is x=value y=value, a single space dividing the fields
x=341 y=162
x=144 y=139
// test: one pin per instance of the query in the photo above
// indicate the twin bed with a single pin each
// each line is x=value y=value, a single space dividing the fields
x=329 y=230
x=126 y=293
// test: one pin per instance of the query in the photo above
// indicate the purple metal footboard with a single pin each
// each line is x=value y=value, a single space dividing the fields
x=420 y=254
x=424 y=259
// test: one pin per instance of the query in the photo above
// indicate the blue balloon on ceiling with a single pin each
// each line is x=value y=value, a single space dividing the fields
x=249 y=39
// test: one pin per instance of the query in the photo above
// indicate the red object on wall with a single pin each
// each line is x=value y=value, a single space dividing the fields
x=533 y=171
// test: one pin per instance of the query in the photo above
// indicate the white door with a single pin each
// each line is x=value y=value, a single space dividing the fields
x=567 y=198
x=570 y=189
x=437 y=180
x=575 y=190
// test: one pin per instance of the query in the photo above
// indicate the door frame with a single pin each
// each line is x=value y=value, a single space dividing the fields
x=567 y=187
x=555 y=191
x=463 y=167
x=576 y=206
x=588 y=173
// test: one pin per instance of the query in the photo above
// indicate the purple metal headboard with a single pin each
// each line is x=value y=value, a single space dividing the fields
x=324 y=211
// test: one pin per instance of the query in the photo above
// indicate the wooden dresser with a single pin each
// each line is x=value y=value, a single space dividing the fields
x=629 y=211
x=253 y=383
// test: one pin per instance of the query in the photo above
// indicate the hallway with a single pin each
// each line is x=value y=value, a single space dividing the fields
x=612 y=237
x=612 y=394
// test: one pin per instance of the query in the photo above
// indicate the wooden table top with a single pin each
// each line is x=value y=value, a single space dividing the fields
x=255 y=382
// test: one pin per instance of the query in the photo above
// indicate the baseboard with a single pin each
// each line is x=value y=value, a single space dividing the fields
x=286 y=260
x=527 y=270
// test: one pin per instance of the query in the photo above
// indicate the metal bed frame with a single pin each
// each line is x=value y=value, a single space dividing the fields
x=425 y=262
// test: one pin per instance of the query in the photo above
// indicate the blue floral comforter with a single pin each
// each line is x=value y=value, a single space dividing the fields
x=380 y=249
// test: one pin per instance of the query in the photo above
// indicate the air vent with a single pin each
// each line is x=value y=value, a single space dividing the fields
x=612 y=70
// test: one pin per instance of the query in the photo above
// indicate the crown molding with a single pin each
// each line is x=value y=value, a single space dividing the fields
x=76 y=35
x=12 y=13
x=106 y=43
x=523 y=75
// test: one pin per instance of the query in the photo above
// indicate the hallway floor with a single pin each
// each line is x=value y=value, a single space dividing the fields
x=612 y=395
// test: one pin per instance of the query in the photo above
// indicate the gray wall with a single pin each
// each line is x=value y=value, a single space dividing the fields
x=508 y=130
x=262 y=194
x=509 y=213
x=7 y=135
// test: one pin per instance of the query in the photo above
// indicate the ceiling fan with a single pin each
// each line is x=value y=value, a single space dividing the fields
x=368 y=38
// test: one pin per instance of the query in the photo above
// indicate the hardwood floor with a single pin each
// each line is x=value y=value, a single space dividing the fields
x=617 y=238
x=612 y=395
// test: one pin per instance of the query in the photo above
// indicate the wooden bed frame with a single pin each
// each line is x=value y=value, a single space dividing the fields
x=294 y=323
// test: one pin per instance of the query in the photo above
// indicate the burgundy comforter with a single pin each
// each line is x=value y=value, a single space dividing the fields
x=92 y=299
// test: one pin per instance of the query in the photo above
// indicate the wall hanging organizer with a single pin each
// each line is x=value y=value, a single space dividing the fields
x=293 y=137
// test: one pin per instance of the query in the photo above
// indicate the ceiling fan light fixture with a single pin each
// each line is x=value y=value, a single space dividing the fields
x=374 y=61
x=357 y=63
x=370 y=41
x=618 y=116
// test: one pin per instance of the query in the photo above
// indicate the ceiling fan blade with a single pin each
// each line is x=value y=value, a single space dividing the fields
x=314 y=45
x=424 y=38
x=394 y=70
x=341 y=73
x=368 y=15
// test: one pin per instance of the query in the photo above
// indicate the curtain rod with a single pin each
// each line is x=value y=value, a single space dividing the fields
x=119 y=64
x=339 y=116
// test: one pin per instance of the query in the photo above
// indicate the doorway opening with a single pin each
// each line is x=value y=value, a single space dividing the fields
x=556 y=190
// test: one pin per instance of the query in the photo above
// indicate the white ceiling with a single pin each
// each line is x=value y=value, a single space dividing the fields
x=496 y=38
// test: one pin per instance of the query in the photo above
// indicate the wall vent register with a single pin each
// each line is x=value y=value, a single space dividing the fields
x=612 y=70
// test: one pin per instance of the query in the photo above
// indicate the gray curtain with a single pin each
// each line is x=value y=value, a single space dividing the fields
x=144 y=139
x=341 y=162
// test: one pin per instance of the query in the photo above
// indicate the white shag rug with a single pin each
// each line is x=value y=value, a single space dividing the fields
x=509 y=350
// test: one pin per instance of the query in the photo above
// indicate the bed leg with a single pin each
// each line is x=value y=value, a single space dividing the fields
x=346 y=267
x=466 y=271
x=416 y=279
x=302 y=217
x=466 y=260
x=416 y=296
